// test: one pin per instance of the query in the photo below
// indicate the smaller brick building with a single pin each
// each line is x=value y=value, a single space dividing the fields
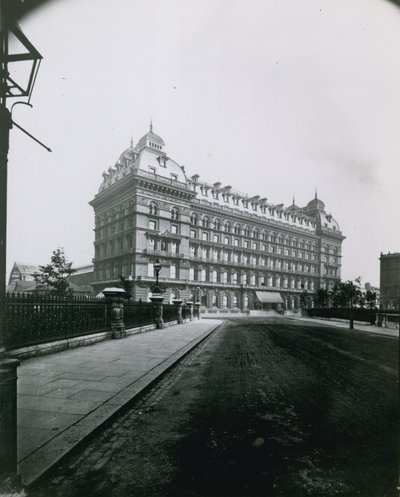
x=390 y=280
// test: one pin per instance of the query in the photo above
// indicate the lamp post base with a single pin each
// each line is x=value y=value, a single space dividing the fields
x=8 y=421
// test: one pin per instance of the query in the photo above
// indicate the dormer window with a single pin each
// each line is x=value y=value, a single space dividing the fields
x=162 y=161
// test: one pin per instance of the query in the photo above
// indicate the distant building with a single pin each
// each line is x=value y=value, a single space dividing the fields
x=83 y=275
x=390 y=280
x=215 y=244
x=22 y=272
x=21 y=279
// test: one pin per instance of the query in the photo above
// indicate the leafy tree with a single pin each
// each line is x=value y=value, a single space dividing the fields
x=55 y=275
x=370 y=297
x=321 y=297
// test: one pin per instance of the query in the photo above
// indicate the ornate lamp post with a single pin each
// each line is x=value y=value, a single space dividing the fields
x=157 y=298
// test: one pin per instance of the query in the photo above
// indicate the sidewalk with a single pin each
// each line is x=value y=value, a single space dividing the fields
x=63 y=397
x=359 y=327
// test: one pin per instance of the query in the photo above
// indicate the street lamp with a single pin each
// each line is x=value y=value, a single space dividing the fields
x=157 y=269
x=9 y=88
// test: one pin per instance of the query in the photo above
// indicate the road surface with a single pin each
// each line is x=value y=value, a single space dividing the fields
x=265 y=407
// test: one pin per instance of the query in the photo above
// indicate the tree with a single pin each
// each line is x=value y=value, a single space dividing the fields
x=56 y=274
x=370 y=297
x=321 y=297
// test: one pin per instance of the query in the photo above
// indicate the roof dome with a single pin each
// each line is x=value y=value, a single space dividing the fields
x=316 y=203
x=150 y=139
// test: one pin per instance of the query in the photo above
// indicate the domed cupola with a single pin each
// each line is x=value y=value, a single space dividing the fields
x=150 y=140
x=316 y=204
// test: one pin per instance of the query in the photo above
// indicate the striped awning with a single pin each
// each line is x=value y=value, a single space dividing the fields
x=269 y=297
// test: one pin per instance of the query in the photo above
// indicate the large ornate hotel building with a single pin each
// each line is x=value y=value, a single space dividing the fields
x=215 y=244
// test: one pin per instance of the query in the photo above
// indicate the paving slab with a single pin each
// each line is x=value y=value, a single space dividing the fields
x=65 y=396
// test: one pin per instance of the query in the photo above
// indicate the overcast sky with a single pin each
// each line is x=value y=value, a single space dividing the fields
x=273 y=97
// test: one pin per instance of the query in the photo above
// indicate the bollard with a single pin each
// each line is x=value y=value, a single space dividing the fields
x=158 y=310
x=8 y=423
x=178 y=303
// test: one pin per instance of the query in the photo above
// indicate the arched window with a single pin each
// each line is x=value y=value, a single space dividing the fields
x=153 y=208
x=247 y=231
x=217 y=224
x=227 y=227
x=174 y=213
x=193 y=219
x=256 y=233
x=172 y=296
x=205 y=222
x=237 y=229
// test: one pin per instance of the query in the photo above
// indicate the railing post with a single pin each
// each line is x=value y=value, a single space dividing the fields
x=115 y=297
x=178 y=303
x=190 y=304
x=158 y=310
x=197 y=305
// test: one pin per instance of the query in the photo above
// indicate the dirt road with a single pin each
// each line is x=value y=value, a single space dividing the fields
x=263 y=408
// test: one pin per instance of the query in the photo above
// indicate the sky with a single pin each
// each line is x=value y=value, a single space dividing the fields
x=274 y=97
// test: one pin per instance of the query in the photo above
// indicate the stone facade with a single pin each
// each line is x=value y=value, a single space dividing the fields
x=215 y=244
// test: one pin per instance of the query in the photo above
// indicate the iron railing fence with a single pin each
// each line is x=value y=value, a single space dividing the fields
x=357 y=313
x=185 y=312
x=170 y=313
x=32 y=319
x=138 y=314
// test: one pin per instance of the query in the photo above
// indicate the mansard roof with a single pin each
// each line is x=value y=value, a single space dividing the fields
x=149 y=159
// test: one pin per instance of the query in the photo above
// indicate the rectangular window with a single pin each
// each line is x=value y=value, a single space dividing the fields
x=172 y=271
x=214 y=276
x=152 y=224
x=264 y=247
x=224 y=277
x=205 y=236
x=244 y=279
x=174 y=248
x=246 y=244
x=236 y=242
x=226 y=240
x=252 y=280
x=204 y=253
x=234 y=278
x=216 y=238
x=193 y=234
x=191 y=274
x=150 y=270
x=174 y=229
x=203 y=275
